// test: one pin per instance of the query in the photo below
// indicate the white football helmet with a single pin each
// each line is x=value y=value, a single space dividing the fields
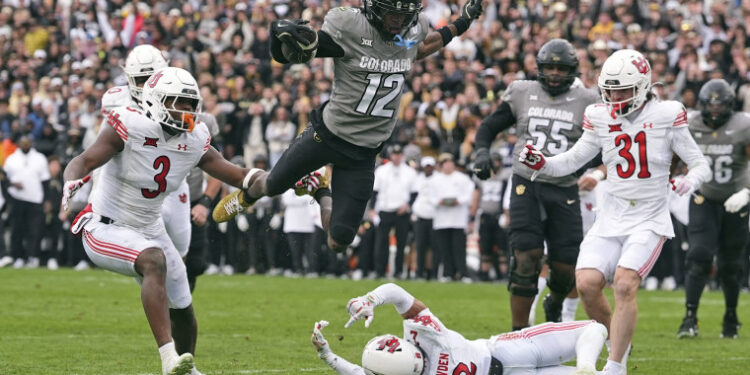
x=625 y=69
x=165 y=96
x=140 y=64
x=391 y=355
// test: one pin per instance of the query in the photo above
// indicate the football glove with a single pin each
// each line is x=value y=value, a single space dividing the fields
x=320 y=342
x=738 y=200
x=310 y=184
x=299 y=41
x=482 y=164
x=361 y=307
x=532 y=158
x=682 y=185
x=472 y=9
x=70 y=188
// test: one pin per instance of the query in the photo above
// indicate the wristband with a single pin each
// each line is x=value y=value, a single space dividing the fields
x=205 y=200
x=462 y=24
x=325 y=192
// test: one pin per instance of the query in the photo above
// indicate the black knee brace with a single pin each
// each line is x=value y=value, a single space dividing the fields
x=560 y=281
x=698 y=268
x=524 y=277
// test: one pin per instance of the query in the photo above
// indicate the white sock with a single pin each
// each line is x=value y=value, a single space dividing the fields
x=569 y=307
x=614 y=367
x=167 y=352
x=589 y=345
x=541 y=284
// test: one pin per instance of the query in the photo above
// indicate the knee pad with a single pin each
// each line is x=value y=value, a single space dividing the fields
x=700 y=269
x=524 y=276
x=729 y=270
x=560 y=281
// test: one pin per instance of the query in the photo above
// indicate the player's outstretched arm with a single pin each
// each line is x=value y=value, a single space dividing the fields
x=585 y=149
x=325 y=353
x=502 y=118
x=362 y=307
x=214 y=164
x=104 y=148
x=436 y=40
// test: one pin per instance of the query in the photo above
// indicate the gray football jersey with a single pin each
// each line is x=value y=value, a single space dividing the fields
x=369 y=78
x=724 y=149
x=552 y=124
x=491 y=190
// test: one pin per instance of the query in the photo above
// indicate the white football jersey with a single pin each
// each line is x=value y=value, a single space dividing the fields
x=447 y=351
x=637 y=149
x=133 y=184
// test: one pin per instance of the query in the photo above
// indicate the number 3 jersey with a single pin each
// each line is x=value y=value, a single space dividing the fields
x=552 y=124
x=133 y=184
x=724 y=149
x=369 y=78
x=447 y=351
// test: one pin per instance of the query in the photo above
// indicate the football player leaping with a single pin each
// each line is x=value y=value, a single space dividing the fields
x=146 y=154
x=719 y=211
x=429 y=347
x=637 y=135
x=373 y=50
x=546 y=112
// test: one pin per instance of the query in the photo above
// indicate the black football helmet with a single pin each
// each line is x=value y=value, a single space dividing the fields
x=717 y=101
x=376 y=11
x=557 y=52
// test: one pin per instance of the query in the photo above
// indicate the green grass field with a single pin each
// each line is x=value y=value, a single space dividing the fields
x=92 y=323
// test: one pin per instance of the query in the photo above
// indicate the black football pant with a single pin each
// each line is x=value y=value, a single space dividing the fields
x=390 y=220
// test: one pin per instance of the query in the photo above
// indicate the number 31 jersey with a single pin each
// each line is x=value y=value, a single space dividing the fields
x=133 y=184
x=551 y=124
x=369 y=78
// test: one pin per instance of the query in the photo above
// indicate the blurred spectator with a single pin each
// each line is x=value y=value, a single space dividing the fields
x=424 y=211
x=28 y=176
x=451 y=221
x=299 y=226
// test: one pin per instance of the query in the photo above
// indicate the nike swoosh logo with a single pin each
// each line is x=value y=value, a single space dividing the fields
x=570 y=201
x=570 y=99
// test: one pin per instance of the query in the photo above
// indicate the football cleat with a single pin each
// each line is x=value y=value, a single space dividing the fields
x=552 y=311
x=236 y=201
x=688 y=328
x=729 y=327
x=312 y=182
x=181 y=365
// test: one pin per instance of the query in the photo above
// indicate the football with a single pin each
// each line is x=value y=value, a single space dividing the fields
x=307 y=48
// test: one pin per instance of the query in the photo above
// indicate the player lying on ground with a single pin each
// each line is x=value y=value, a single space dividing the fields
x=429 y=347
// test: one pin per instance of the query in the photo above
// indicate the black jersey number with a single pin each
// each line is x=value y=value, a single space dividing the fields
x=393 y=83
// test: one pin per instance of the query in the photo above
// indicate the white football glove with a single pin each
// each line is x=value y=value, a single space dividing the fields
x=682 y=185
x=359 y=308
x=320 y=342
x=738 y=200
x=70 y=188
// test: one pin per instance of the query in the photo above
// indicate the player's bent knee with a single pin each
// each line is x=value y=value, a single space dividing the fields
x=561 y=279
x=698 y=268
x=589 y=282
x=521 y=239
x=151 y=261
x=339 y=237
x=595 y=330
x=524 y=274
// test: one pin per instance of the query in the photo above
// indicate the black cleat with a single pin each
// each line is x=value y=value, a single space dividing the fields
x=729 y=327
x=552 y=311
x=688 y=328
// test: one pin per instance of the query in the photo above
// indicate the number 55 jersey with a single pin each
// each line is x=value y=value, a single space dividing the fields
x=133 y=184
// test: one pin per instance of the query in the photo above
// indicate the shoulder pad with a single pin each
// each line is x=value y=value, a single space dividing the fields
x=115 y=97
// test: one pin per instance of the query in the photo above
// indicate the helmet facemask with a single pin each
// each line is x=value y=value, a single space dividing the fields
x=392 y=18
x=176 y=112
x=556 y=84
x=135 y=84
x=625 y=107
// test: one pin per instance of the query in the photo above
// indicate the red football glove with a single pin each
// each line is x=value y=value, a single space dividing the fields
x=531 y=157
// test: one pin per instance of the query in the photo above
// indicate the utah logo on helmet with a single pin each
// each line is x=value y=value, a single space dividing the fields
x=172 y=98
x=388 y=354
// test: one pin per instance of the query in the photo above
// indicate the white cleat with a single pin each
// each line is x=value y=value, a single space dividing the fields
x=182 y=365
x=52 y=264
x=5 y=261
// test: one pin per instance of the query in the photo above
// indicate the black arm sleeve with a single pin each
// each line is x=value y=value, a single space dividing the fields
x=496 y=122
x=326 y=47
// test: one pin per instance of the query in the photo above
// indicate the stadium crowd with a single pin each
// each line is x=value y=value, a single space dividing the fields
x=59 y=57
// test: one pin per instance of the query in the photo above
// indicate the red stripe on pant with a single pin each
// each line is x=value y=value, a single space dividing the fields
x=646 y=268
x=554 y=327
x=106 y=251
